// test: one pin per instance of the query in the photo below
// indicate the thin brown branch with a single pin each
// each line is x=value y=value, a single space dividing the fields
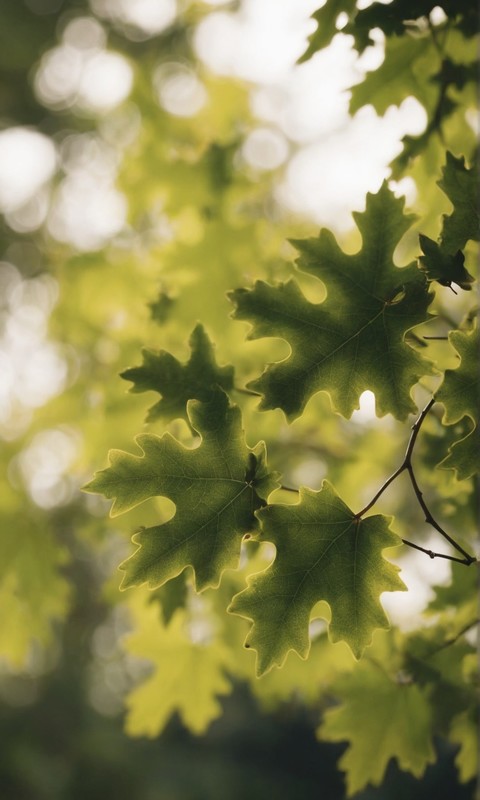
x=433 y=554
x=406 y=461
x=429 y=518
x=249 y=392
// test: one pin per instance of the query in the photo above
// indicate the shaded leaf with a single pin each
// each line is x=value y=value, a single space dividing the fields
x=354 y=340
x=326 y=18
x=460 y=184
x=409 y=62
x=381 y=719
x=324 y=552
x=161 y=308
x=177 y=383
x=171 y=596
x=442 y=266
x=216 y=488
x=460 y=394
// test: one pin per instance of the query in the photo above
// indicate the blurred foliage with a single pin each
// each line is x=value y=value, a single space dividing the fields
x=200 y=221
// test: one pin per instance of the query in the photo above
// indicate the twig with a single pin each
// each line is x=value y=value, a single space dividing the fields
x=250 y=392
x=432 y=553
x=454 y=639
x=407 y=465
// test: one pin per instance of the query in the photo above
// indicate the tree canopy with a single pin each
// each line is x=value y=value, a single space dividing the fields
x=279 y=412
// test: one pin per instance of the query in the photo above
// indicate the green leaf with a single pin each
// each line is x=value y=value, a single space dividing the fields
x=461 y=187
x=171 y=596
x=354 y=340
x=381 y=719
x=326 y=18
x=409 y=62
x=391 y=19
x=396 y=18
x=34 y=594
x=459 y=393
x=177 y=383
x=216 y=488
x=161 y=308
x=442 y=266
x=324 y=552
x=188 y=675
x=464 y=732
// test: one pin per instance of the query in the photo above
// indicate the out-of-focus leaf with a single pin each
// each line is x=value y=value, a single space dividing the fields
x=188 y=675
x=381 y=718
x=33 y=592
x=326 y=18
x=464 y=732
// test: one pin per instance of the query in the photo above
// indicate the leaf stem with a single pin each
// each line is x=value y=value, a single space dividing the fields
x=250 y=392
x=454 y=639
x=407 y=465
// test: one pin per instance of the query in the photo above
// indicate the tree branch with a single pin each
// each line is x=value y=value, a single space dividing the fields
x=407 y=465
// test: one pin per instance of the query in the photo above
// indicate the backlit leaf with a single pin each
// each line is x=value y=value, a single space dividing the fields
x=460 y=184
x=326 y=18
x=177 y=383
x=381 y=718
x=464 y=732
x=216 y=488
x=460 y=394
x=354 y=340
x=324 y=552
x=188 y=675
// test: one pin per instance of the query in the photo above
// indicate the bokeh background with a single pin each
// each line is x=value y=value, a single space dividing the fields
x=153 y=155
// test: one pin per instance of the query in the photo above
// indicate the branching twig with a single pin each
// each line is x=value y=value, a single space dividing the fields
x=407 y=465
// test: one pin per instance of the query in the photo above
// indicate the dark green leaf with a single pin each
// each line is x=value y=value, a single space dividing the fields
x=324 y=552
x=177 y=383
x=355 y=339
x=461 y=187
x=442 y=266
x=216 y=488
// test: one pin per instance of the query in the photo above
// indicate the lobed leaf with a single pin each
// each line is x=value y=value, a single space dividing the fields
x=326 y=18
x=187 y=677
x=354 y=340
x=464 y=732
x=216 y=488
x=461 y=187
x=381 y=718
x=177 y=383
x=460 y=394
x=442 y=266
x=324 y=552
